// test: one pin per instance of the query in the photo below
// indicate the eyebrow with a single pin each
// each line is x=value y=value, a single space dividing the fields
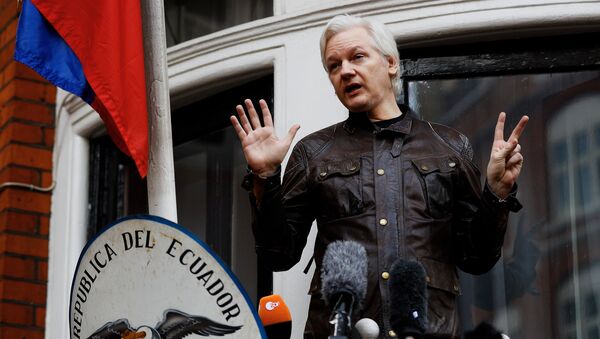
x=352 y=50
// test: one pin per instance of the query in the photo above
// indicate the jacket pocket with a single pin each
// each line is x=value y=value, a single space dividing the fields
x=436 y=175
x=340 y=189
x=443 y=289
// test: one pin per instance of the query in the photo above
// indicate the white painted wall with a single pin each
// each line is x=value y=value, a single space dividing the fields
x=287 y=45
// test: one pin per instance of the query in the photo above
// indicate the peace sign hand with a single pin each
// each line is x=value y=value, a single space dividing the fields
x=263 y=151
x=506 y=159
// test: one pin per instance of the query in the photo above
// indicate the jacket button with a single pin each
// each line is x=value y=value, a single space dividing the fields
x=424 y=168
x=428 y=279
x=455 y=287
x=323 y=174
x=352 y=168
x=383 y=221
x=452 y=164
x=380 y=171
x=392 y=334
x=385 y=275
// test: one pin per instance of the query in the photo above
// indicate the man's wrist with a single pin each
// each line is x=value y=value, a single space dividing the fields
x=251 y=178
x=509 y=201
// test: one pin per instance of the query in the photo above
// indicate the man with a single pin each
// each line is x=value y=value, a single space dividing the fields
x=400 y=186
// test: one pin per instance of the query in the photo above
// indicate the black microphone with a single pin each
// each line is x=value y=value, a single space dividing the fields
x=275 y=316
x=408 y=299
x=343 y=283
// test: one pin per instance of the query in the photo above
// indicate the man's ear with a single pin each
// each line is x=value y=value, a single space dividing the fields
x=393 y=66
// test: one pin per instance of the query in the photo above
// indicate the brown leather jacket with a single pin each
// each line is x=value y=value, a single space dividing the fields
x=406 y=191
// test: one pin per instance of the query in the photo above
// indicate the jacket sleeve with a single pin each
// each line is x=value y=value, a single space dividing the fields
x=480 y=219
x=282 y=222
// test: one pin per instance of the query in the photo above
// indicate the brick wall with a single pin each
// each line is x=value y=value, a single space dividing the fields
x=26 y=139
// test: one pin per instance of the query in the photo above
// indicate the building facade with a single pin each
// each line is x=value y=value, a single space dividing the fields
x=462 y=63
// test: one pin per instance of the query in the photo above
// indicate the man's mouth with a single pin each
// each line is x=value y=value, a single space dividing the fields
x=352 y=88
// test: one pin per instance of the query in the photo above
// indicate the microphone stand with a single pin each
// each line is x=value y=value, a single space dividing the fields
x=340 y=317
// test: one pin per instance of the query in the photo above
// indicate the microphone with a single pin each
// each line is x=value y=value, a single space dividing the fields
x=275 y=316
x=408 y=298
x=343 y=283
x=365 y=328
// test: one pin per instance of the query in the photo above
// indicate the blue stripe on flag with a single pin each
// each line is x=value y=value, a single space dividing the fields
x=40 y=47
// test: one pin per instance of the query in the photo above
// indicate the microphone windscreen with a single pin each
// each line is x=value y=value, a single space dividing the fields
x=408 y=298
x=275 y=316
x=344 y=270
x=365 y=328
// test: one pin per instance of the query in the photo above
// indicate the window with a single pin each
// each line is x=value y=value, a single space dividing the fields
x=188 y=19
x=209 y=168
x=116 y=189
x=547 y=271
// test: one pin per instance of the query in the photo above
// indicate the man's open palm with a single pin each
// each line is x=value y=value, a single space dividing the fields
x=263 y=151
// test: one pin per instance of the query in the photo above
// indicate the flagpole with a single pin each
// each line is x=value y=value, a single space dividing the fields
x=161 y=173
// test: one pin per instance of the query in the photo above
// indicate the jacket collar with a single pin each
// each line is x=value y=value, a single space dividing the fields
x=360 y=120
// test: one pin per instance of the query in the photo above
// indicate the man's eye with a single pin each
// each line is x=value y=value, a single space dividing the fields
x=332 y=67
x=359 y=56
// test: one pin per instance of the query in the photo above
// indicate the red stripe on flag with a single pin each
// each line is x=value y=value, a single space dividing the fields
x=106 y=36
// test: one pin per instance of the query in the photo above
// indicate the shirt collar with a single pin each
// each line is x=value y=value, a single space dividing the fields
x=360 y=120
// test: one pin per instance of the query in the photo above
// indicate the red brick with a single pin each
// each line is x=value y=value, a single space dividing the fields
x=7 y=55
x=26 y=156
x=24 y=72
x=33 y=90
x=40 y=316
x=16 y=313
x=8 y=13
x=44 y=225
x=21 y=222
x=8 y=33
x=8 y=91
x=20 y=132
x=47 y=179
x=25 y=200
x=24 y=245
x=27 y=133
x=8 y=74
x=21 y=333
x=17 y=267
x=48 y=136
x=50 y=94
x=28 y=292
x=20 y=174
x=40 y=113
x=42 y=270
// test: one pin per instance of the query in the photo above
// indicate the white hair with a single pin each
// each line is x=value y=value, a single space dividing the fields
x=381 y=35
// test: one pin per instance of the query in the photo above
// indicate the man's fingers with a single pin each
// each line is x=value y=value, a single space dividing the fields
x=237 y=127
x=243 y=119
x=514 y=160
x=291 y=134
x=499 y=131
x=266 y=113
x=508 y=148
x=515 y=151
x=516 y=133
x=254 y=120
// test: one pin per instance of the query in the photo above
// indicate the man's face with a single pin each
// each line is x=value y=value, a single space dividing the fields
x=357 y=70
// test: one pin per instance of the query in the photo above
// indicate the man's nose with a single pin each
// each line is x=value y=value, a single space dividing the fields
x=347 y=69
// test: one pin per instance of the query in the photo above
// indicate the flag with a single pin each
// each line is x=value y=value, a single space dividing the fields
x=93 y=49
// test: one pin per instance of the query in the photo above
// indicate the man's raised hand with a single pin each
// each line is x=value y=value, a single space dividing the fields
x=264 y=152
x=506 y=159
